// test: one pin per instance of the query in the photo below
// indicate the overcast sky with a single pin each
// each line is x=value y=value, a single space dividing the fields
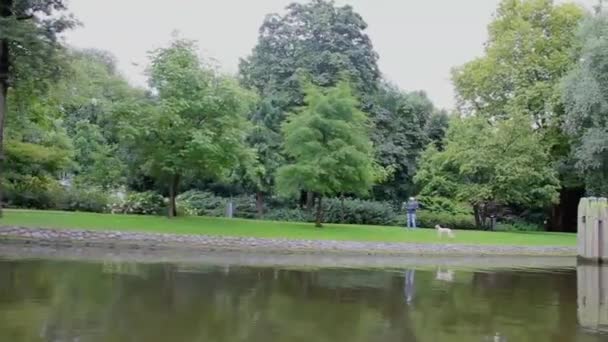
x=418 y=40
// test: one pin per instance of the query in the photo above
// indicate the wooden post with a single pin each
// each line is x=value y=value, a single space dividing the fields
x=592 y=297
x=593 y=229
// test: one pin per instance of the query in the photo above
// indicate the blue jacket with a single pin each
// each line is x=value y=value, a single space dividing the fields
x=411 y=206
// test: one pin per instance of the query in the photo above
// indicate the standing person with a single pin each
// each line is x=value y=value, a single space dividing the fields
x=411 y=206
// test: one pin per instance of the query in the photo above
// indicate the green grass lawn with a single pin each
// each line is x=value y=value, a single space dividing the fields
x=266 y=229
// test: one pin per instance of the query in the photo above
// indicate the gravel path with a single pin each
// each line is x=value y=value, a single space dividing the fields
x=139 y=240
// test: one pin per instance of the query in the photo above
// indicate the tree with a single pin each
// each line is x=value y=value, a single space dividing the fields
x=315 y=38
x=199 y=127
x=399 y=136
x=531 y=46
x=586 y=103
x=487 y=165
x=28 y=39
x=436 y=127
x=266 y=140
x=528 y=51
x=329 y=146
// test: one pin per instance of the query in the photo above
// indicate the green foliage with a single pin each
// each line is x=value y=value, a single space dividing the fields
x=201 y=203
x=198 y=127
x=443 y=204
x=529 y=49
x=486 y=164
x=288 y=215
x=586 y=103
x=36 y=192
x=140 y=203
x=315 y=38
x=329 y=145
x=399 y=136
x=355 y=211
x=517 y=226
x=428 y=219
x=84 y=198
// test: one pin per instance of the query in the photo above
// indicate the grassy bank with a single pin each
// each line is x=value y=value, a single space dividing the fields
x=265 y=229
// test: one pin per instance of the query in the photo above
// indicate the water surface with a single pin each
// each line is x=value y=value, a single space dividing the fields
x=50 y=300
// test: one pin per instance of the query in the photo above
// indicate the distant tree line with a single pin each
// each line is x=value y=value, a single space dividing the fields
x=308 y=121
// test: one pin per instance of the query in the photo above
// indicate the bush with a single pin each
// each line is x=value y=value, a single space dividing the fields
x=142 y=203
x=288 y=215
x=201 y=203
x=429 y=219
x=33 y=192
x=355 y=211
x=244 y=206
x=443 y=205
x=518 y=226
x=89 y=199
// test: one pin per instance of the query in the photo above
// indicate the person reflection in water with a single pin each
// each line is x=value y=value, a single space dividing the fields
x=409 y=286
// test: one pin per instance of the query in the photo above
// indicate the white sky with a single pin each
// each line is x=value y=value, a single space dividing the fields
x=418 y=41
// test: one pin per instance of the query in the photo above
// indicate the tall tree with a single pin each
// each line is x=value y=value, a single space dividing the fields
x=488 y=165
x=529 y=49
x=28 y=38
x=586 y=103
x=329 y=146
x=316 y=38
x=199 y=127
x=399 y=136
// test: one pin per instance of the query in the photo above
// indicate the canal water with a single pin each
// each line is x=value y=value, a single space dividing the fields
x=51 y=300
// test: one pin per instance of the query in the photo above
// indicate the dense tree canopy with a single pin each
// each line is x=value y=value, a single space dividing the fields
x=586 y=103
x=528 y=51
x=487 y=165
x=198 y=126
x=399 y=135
x=28 y=41
x=308 y=115
x=328 y=143
x=318 y=39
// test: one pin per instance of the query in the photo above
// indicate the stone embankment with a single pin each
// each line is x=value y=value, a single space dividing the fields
x=142 y=240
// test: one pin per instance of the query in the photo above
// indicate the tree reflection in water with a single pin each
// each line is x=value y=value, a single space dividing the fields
x=67 y=301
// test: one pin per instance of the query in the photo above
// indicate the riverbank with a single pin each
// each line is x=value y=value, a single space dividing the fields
x=210 y=226
x=207 y=243
x=195 y=259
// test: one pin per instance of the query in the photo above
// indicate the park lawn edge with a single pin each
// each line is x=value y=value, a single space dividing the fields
x=223 y=227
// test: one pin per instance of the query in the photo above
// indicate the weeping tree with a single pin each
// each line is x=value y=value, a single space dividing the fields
x=29 y=32
x=199 y=124
x=328 y=147
x=586 y=103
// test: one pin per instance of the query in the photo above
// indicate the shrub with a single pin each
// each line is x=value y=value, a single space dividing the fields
x=518 y=226
x=288 y=215
x=89 y=199
x=443 y=205
x=33 y=192
x=142 y=203
x=429 y=219
x=244 y=206
x=355 y=211
x=201 y=203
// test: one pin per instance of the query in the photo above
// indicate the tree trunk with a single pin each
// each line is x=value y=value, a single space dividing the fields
x=259 y=204
x=4 y=69
x=477 y=214
x=173 y=189
x=342 y=210
x=310 y=200
x=319 y=219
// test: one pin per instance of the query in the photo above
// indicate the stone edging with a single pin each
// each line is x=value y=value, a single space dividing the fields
x=137 y=240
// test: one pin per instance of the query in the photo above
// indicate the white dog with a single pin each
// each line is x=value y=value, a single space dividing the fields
x=443 y=230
